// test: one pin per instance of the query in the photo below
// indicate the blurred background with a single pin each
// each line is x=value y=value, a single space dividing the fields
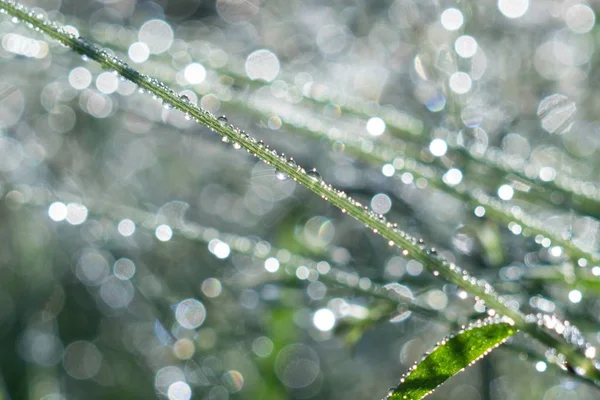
x=141 y=257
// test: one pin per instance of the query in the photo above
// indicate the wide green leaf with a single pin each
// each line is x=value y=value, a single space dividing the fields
x=451 y=356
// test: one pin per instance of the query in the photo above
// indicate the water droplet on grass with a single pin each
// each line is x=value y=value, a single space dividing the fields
x=314 y=175
x=222 y=120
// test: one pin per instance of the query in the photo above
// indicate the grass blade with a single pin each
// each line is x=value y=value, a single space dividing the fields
x=451 y=356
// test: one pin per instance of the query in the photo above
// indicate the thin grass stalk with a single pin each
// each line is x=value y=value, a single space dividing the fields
x=496 y=210
x=584 y=197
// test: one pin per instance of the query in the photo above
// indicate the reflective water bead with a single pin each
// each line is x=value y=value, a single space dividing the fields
x=222 y=120
x=314 y=175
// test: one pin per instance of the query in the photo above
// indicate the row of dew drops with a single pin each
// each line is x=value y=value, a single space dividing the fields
x=283 y=176
x=523 y=220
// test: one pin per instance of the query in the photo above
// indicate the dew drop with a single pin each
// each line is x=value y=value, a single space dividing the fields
x=167 y=105
x=222 y=120
x=314 y=175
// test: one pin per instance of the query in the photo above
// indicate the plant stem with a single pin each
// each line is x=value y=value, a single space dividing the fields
x=410 y=129
x=412 y=247
x=581 y=196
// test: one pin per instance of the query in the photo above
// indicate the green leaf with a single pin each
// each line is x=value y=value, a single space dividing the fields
x=451 y=356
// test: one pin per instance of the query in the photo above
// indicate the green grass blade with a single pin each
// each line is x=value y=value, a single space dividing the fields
x=451 y=356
